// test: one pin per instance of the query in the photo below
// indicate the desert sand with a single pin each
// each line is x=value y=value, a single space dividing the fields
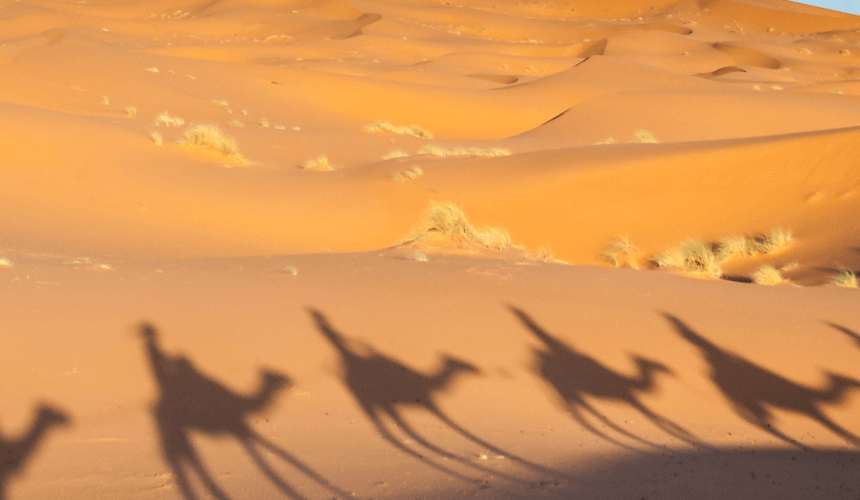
x=271 y=316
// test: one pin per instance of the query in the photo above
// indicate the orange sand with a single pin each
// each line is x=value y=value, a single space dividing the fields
x=179 y=325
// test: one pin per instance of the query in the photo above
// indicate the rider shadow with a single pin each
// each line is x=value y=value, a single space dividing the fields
x=383 y=387
x=577 y=378
x=753 y=391
x=15 y=453
x=190 y=401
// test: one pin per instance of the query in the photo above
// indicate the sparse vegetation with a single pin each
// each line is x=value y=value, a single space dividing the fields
x=105 y=100
x=152 y=70
x=418 y=257
x=236 y=123
x=693 y=256
x=844 y=52
x=846 y=279
x=291 y=270
x=221 y=102
x=413 y=130
x=157 y=138
x=319 y=163
x=394 y=154
x=169 y=121
x=609 y=140
x=264 y=123
x=644 y=137
x=443 y=152
x=4 y=262
x=622 y=252
x=447 y=221
x=776 y=240
x=739 y=246
x=210 y=136
x=768 y=275
x=805 y=51
x=131 y=111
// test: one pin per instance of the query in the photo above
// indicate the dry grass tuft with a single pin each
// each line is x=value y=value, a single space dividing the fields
x=447 y=221
x=622 y=252
x=236 y=123
x=320 y=163
x=739 y=246
x=131 y=111
x=768 y=275
x=157 y=138
x=846 y=279
x=414 y=130
x=4 y=262
x=211 y=137
x=169 y=121
x=644 y=137
x=776 y=240
x=693 y=256
x=394 y=154
x=443 y=152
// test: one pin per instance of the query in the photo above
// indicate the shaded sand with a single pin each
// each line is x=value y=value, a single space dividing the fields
x=233 y=320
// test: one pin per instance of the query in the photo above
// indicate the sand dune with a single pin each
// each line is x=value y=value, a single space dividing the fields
x=224 y=278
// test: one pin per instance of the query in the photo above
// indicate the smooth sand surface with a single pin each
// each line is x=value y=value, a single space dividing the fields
x=230 y=321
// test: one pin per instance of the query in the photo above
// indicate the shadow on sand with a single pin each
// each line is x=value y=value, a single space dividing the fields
x=850 y=333
x=15 y=453
x=189 y=401
x=753 y=391
x=383 y=387
x=577 y=378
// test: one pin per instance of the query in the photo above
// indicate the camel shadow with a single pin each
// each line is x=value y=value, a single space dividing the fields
x=753 y=391
x=850 y=333
x=383 y=387
x=577 y=378
x=15 y=453
x=190 y=401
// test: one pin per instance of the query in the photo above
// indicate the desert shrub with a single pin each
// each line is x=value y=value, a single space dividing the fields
x=694 y=256
x=772 y=242
x=210 y=136
x=738 y=246
x=443 y=152
x=846 y=279
x=320 y=163
x=413 y=130
x=447 y=221
x=622 y=252
x=644 y=137
x=768 y=275
x=394 y=154
x=169 y=121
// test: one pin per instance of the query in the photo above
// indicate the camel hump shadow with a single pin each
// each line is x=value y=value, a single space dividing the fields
x=754 y=391
x=577 y=378
x=189 y=401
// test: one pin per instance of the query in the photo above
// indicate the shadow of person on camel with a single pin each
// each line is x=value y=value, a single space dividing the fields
x=754 y=392
x=578 y=379
x=384 y=387
x=189 y=401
